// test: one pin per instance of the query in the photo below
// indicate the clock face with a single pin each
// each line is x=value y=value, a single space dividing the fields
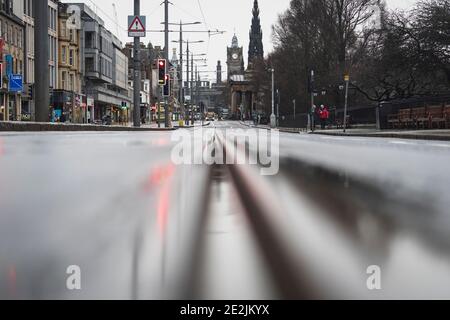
x=235 y=56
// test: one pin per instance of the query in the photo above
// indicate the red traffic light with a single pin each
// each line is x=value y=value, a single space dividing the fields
x=162 y=72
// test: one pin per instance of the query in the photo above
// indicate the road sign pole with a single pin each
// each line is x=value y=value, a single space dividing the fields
x=137 y=73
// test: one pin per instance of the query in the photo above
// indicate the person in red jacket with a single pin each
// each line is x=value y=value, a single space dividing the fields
x=324 y=114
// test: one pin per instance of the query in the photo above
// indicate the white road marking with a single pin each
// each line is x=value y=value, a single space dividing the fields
x=402 y=142
x=440 y=145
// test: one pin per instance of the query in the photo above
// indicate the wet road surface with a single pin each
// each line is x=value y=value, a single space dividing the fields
x=141 y=227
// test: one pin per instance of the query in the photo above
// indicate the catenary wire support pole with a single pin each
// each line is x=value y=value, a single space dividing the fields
x=192 y=89
x=137 y=73
x=187 y=78
x=167 y=118
x=181 y=97
x=42 y=72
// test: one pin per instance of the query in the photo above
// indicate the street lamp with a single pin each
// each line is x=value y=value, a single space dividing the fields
x=347 y=80
x=273 y=118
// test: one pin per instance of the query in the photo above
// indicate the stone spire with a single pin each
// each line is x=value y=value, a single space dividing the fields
x=234 y=42
x=255 y=49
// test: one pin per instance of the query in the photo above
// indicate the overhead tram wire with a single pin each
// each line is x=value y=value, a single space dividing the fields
x=108 y=16
x=206 y=25
x=116 y=23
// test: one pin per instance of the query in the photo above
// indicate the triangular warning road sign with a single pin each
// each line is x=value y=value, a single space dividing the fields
x=136 y=25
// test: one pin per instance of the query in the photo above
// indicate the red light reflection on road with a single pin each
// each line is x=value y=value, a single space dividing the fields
x=160 y=142
x=161 y=178
x=163 y=207
x=12 y=281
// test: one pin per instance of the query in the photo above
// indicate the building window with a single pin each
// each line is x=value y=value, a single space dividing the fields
x=63 y=80
x=89 y=40
x=71 y=57
x=90 y=65
x=64 y=55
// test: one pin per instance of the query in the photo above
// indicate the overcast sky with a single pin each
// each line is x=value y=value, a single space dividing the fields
x=227 y=15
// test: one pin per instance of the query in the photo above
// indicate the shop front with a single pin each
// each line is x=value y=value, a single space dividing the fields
x=111 y=108
x=10 y=108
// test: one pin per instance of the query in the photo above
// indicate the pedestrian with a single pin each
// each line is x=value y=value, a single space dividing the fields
x=327 y=116
x=313 y=114
x=63 y=117
x=323 y=115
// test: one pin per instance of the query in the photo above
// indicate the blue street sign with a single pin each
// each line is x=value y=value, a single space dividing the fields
x=15 y=83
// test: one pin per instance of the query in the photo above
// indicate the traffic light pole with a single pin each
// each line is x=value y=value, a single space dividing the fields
x=42 y=77
x=137 y=74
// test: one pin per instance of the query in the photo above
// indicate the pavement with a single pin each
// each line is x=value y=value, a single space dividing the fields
x=441 y=134
x=436 y=134
x=18 y=126
x=11 y=126
x=141 y=227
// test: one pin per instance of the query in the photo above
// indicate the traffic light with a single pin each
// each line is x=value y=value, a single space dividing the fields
x=166 y=88
x=162 y=70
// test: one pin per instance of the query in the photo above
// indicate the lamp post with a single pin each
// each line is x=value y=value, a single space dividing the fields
x=347 y=80
x=273 y=118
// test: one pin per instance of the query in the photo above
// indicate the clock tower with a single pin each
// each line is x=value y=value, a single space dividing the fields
x=235 y=59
